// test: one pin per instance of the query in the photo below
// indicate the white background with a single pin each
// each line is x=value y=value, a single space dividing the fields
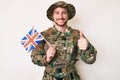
x=98 y=19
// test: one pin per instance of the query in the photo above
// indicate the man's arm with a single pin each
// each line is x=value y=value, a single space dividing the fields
x=88 y=55
x=86 y=50
x=38 y=55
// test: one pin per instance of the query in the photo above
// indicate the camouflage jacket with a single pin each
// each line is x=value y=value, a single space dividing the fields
x=67 y=49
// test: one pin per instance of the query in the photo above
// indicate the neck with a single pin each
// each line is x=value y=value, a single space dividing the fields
x=61 y=28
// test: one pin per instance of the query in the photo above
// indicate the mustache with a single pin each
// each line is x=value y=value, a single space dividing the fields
x=60 y=19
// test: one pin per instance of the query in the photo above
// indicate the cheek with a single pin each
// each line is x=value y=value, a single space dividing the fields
x=54 y=17
x=66 y=17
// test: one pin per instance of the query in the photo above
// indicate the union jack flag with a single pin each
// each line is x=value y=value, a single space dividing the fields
x=31 y=39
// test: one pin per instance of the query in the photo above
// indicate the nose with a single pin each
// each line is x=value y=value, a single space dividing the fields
x=60 y=15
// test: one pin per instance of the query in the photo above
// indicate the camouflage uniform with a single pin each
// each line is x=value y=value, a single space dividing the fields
x=62 y=66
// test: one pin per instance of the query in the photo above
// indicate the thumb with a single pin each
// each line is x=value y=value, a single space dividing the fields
x=81 y=35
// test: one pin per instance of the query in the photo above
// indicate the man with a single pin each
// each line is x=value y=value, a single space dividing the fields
x=66 y=44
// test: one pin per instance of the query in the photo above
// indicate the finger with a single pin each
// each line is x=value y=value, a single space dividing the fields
x=54 y=46
x=81 y=35
x=83 y=44
x=80 y=41
x=83 y=47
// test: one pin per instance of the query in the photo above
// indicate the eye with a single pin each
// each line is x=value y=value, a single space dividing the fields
x=56 y=12
x=64 y=12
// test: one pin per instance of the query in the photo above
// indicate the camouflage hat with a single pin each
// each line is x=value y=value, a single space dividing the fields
x=70 y=8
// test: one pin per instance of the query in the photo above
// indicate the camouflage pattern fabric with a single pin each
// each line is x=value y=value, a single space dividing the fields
x=62 y=66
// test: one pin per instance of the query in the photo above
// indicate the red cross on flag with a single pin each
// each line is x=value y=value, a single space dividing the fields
x=31 y=39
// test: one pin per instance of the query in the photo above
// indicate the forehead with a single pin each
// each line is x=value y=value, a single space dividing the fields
x=60 y=9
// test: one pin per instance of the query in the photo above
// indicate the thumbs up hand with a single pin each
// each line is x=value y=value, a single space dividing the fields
x=82 y=42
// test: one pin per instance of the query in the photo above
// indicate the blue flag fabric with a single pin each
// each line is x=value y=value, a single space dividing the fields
x=31 y=39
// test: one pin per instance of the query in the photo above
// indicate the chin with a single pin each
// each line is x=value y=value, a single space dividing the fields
x=62 y=24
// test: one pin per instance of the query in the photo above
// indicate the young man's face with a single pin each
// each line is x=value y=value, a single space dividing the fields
x=60 y=16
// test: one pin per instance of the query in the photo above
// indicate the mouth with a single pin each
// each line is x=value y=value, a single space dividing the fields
x=61 y=19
